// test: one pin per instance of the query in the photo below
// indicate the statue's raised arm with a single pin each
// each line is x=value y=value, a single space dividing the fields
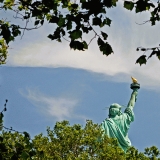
x=134 y=86
x=118 y=123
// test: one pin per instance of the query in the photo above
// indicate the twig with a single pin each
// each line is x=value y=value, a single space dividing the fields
x=143 y=22
x=11 y=129
x=30 y=28
x=92 y=39
x=66 y=39
x=94 y=32
x=24 y=28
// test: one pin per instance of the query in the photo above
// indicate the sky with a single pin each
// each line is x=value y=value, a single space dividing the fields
x=45 y=81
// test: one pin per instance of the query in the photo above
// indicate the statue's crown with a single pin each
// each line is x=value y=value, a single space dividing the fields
x=115 y=105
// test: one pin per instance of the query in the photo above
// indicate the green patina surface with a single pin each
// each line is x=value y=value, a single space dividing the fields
x=118 y=123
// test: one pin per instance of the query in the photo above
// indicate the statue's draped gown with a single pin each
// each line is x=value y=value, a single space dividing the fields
x=118 y=127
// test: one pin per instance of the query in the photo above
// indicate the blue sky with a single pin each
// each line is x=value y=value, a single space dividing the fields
x=46 y=82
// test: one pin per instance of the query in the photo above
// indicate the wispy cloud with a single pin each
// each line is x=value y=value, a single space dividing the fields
x=58 y=107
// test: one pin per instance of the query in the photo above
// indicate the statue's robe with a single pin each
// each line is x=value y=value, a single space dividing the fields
x=118 y=127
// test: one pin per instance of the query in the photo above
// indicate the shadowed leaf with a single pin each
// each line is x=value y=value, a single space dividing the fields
x=104 y=35
x=153 y=53
x=128 y=5
x=141 y=60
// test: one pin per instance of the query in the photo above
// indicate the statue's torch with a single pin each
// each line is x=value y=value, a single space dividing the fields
x=135 y=84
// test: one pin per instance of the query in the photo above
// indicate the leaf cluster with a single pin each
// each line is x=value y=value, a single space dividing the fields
x=2 y=115
x=153 y=9
x=71 y=20
x=8 y=33
x=75 y=142
x=143 y=59
x=15 y=146
x=66 y=142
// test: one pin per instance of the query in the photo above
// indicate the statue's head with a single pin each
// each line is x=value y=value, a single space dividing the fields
x=115 y=109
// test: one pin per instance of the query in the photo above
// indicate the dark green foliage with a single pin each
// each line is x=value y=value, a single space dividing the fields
x=1 y=117
x=71 y=19
x=141 y=60
x=128 y=5
x=152 y=152
x=154 y=51
x=73 y=23
x=65 y=142
x=16 y=146
x=104 y=35
x=153 y=9
x=104 y=46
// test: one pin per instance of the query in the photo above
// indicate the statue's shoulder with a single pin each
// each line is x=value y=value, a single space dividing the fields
x=109 y=120
x=129 y=111
x=129 y=114
x=106 y=120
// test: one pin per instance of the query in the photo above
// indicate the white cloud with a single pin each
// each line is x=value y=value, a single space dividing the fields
x=58 y=107
x=124 y=35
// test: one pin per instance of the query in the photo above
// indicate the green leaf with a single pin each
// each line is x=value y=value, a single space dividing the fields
x=108 y=3
x=61 y=21
x=32 y=153
x=26 y=135
x=143 y=49
x=85 y=45
x=74 y=6
x=15 y=30
x=75 y=34
x=158 y=54
x=1 y=139
x=53 y=19
x=143 y=5
x=100 y=42
x=59 y=40
x=65 y=3
x=3 y=147
x=77 y=45
x=1 y=156
x=42 y=21
x=104 y=47
x=69 y=25
x=50 y=36
x=19 y=146
x=107 y=21
x=141 y=60
x=153 y=21
x=36 y=22
x=1 y=115
x=24 y=155
x=14 y=157
x=96 y=21
x=41 y=153
x=128 y=5
x=104 y=35
x=86 y=29
x=5 y=32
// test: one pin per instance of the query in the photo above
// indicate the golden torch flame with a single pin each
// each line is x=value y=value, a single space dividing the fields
x=134 y=80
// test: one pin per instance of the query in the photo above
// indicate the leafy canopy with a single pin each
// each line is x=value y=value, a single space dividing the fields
x=65 y=142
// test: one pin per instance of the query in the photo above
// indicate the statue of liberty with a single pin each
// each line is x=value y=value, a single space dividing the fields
x=118 y=123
